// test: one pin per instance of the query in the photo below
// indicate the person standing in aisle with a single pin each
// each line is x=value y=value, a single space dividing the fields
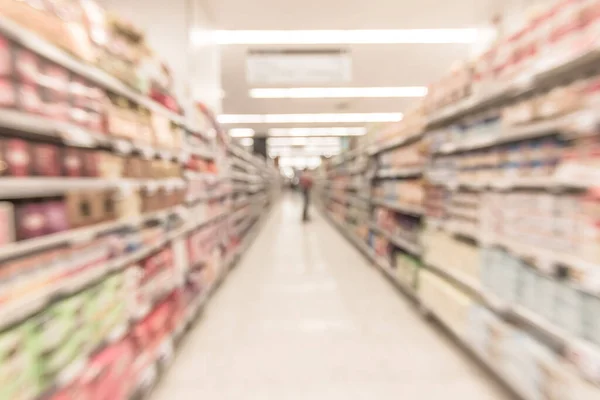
x=306 y=183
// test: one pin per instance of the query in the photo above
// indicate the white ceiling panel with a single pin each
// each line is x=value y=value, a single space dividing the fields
x=350 y=14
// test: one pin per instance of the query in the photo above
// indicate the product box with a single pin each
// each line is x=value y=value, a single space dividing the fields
x=56 y=216
x=17 y=155
x=45 y=160
x=82 y=209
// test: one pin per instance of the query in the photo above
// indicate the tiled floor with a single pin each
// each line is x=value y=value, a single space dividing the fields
x=304 y=316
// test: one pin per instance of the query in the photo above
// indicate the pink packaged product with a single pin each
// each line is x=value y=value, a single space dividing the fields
x=45 y=160
x=56 y=217
x=53 y=82
x=30 y=221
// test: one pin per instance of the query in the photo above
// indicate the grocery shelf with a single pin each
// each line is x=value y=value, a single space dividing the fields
x=44 y=127
x=490 y=365
x=550 y=183
x=402 y=208
x=200 y=152
x=533 y=130
x=50 y=52
x=388 y=272
x=552 y=73
x=79 y=235
x=486 y=98
x=410 y=172
x=392 y=144
x=20 y=188
x=404 y=244
x=359 y=244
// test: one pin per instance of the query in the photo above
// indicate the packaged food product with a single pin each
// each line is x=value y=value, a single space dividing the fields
x=79 y=209
x=110 y=166
x=56 y=217
x=17 y=157
x=72 y=163
x=91 y=163
x=45 y=160
x=30 y=220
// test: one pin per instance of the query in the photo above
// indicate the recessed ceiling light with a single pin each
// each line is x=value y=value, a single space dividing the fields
x=340 y=92
x=308 y=118
x=393 y=36
x=241 y=132
x=247 y=142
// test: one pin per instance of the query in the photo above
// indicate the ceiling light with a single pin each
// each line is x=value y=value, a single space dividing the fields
x=307 y=118
x=241 y=132
x=394 y=36
x=247 y=142
x=303 y=141
x=341 y=92
x=300 y=132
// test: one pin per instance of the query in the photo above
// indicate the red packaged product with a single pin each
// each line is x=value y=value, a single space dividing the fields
x=91 y=160
x=45 y=160
x=6 y=57
x=30 y=220
x=72 y=164
x=109 y=375
x=95 y=122
x=27 y=65
x=17 y=157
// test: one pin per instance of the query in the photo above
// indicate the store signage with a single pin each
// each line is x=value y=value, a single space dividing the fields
x=286 y=67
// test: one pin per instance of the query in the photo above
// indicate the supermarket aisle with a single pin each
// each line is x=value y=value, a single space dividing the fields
x=305 y=317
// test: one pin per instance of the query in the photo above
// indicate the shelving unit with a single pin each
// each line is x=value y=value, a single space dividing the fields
x=128 y=254
x=477 y=213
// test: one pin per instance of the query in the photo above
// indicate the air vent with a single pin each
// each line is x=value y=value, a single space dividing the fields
x=298 y=66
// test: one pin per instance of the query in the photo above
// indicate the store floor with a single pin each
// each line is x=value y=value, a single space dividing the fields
x=304 y=316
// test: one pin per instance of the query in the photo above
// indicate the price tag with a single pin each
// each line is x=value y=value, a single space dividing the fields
x=165 y=155
x=148 y=377
x=166 y=350
x=123 y=146
x=585 y=122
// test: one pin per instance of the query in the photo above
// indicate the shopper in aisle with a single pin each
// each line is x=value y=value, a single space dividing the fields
x=306 y=183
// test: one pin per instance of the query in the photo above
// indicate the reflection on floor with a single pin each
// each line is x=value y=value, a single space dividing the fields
x=304 y=316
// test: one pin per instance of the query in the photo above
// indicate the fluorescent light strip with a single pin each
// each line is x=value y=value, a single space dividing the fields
x=340 y=92
x=241 y=132
x=307 y=118
x=303 y=141
x=307 y=132
x=395 y=36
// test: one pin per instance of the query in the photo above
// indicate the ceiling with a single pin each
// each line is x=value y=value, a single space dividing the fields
x=373 y=65
x=350 y=14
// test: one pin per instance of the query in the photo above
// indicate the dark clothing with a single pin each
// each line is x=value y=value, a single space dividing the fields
x=306 y=197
